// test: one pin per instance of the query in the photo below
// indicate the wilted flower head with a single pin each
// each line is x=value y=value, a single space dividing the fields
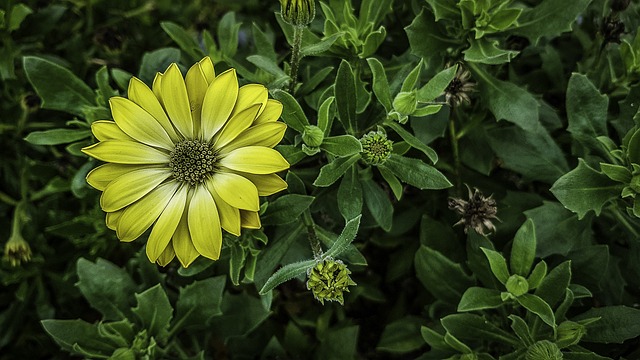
x=328 y=280
x=376 y=148
x=620 y=5
x=298 y=12
x=459 y=88
x=476 y=213
x=543 y=350
x=612 y=29
x=17 y=250
x=187 y=158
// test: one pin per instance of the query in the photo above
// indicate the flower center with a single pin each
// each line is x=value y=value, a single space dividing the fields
x=192 y=161
x=375 y=148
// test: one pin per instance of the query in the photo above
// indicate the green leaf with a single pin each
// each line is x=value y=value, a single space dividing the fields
x=241 y=314
x=331 y=172
x=155 y=312
x=199 y=302
x=401 y=336
x=228 y=31
x=616 y=172
x=396 y=186
x=378 y=203
x=633 y=148
x=107 y=288
x=434 y=339
x=554 y=286
x=558 y=230
x=339 y=343
x=616 y=325
x=412 y=78
x=57 y=136
x=292 y=113
x=380 y=83
x=583 y=189
x=426 y=40
x=477 y=298
x=445 y=9
x=550 y=18
x=350 y=195
x=319 y=47
x=326 y=113
x=587 y=111
x=287 y=273
x=474 y=327
x=18 y=13
x=486 y=51
x=498 y=265
x=58 y=87
x=185 y=41
x=413 y=141
x=521 y=329
x=157 y=61
x=538 y=306
x=346 y=99
x=436 y=86
x=432 y=267
x=341 y=145
x=286 y=209
x=71 y=333
x=523 y=250
x=268 y=65
x=345 y=239
x=537 y=275
x=415 y=172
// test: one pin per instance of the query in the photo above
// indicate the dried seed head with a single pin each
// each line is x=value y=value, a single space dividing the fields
x=476 y=213
x=328 y=280
x=459 y=88
x=612 y=29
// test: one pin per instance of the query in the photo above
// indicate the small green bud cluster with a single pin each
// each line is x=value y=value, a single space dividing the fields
x=328 y=280
x=517 y=285
x=298 y=12
x=17 y=250
x=376 y=148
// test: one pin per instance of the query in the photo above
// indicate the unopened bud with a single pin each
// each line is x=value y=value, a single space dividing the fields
x=328 y=280
x=312 y=136
x=517 y=285
x=543 y=350
x=570 y=333
x=405 y=102
x=298 y=12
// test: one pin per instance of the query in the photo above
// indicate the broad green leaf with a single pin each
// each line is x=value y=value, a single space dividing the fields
x=286 y=209
x=558 y=230
x=155 y=312
x=413 y=141
x=432 y=267
x=412 y=78
x=456 y=344
x=345 y=239
x=616 y=172
x=157 y=61
x=477 y=298
x=633 y=148
x=445 y=9
x=475 y=327
x=380 y=83
x=378 y=203
x=537 y=275
x=331 y=172
x=521 y=329
x=339 y=343
x=550 y=19
x=415 y=172
x=587 y=111
x=236 y=262
x=199 y=301
x=498 y=265
x=401 y=336
x=71 y=333
x=350 y=195
x=616 y=325
x=434 y=339
x=486 y=51
x=396 y=186
x=268 y=65
x=371 y=43
x=583 y=189
x=108 y=288
x=538 y=306
x=436 y=86
x=287 y=273
x=292 y=113
x=426 y=39
x=553 y=287
x=346 y=250
x=241 y=314
x=185 y=41
x=523 y=250
x=341 y=145
x=319 y=47
x=58 y=87
x=346 y=98
x=57 y=136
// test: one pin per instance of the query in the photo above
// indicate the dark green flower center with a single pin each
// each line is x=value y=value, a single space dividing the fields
x=376 y=148
x=192 y=161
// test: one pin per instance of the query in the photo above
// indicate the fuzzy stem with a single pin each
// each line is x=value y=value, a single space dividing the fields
x=295 y=57
x=311 y=235
x=456 y=151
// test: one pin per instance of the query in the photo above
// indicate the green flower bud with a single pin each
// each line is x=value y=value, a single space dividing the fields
x=517 y=285
x=405 y=102
x=376 y=148
x=328 y=280
x=543 y=350
x=569 y=333
x=298 y=12
x=312 y=136
x=17 y=250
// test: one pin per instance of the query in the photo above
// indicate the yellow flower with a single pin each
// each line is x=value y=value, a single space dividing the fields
x=189 y=158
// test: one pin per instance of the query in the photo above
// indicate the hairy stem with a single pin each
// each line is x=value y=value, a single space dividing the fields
x=453 y=136
x=295 y=57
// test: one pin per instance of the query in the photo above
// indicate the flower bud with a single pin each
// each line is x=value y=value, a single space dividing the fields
x=620 y=5
x=405 y=102
x=328 y=280
x=543 y=350
x=312 y=136
x=298 y=12
x=517 y=285
x=376 y=148
x=569 y=333
x=17 y=250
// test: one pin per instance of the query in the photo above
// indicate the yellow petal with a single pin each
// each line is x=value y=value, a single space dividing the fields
x=166 y=225
x=204 y=224
x=271 y=112
x=267 y=134
x=229 y=215
x=196 y=88
x=182 y=243
x=108 y=130
x=267 y=184
x=112 y=219
x=130 y=187
x=139 y=124
x=137 y=217
x=218 y=103
x=167 y=255
x=236 y=125
x=140 y=93
x=254 y=160
x=206 y=65
x=156 y=87
x=176 y=100
x=249 y=95
x=101 y=176
x=250 y=219
x=126 y=152
x=235 y=190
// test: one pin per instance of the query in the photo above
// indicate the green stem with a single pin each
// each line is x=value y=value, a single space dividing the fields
x=295 y=57
x=456 y=151
x=623 y=220
x=8 y=199
x=311 y=234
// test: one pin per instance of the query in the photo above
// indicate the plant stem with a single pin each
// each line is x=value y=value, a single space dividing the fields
x=456 y=151
x=623 y=220
x=311 y=234
x=295 y=57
